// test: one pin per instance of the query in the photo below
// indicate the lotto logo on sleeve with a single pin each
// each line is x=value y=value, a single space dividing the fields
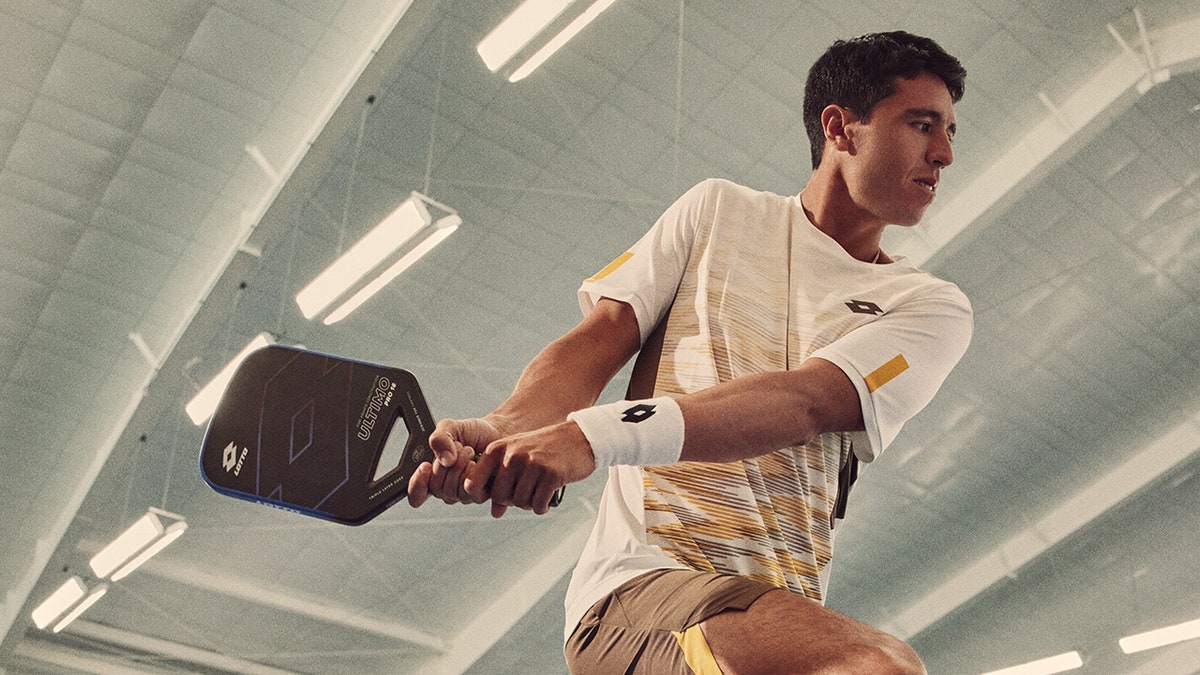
x=638 y=413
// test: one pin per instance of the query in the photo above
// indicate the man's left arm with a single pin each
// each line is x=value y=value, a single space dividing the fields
x=734 y=420
x=872 y=379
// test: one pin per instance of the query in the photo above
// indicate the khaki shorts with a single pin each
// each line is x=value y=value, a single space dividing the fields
x=651 y=624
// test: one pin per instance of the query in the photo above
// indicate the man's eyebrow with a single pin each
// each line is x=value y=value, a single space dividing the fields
x=929 y=113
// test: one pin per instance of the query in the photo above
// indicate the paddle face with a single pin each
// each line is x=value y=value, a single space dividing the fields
x=306 y=432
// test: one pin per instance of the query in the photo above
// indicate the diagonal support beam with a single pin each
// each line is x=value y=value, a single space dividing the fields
x=292 y=602
x=1071 y=515
x=175 y=651
x=62 y=658
x=482 y=633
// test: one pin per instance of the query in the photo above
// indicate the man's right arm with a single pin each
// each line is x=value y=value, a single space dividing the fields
x=569 y=374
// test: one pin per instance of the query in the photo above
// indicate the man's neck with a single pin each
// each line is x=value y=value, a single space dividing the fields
x=830 y=209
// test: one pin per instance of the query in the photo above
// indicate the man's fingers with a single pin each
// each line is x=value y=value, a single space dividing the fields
x=543 y=495
x=480 y=476
x=453 y=480
x=523 y=491
x=418 y=485
x=504 y=481
x=437 y=479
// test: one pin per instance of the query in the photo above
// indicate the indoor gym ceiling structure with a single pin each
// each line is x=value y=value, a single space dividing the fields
x=175 y=171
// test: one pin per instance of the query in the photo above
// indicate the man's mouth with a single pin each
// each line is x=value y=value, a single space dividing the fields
x=927 y=184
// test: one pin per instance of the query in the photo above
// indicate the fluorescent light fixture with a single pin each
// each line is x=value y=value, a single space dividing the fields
x=136 y=545
x=1055 y=664
x=202 y=406
x=136 y=537
x=1162 y=637
x=517 y=29
x=445 y=227
x=82 y=607
x=172 y=533
x=388 y=236
x=61 y=600
x=563 y=37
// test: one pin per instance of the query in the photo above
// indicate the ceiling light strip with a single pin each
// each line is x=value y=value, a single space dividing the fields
x=128 y=544
x=169 y=535
x=1161 y=637
x=82 y=607
x=63 y=598
x=204 y=403
x=1055 y=664
x=557 y=42
x=517 y=29
x=397 y=268
x=385 y=239
x=137 y=544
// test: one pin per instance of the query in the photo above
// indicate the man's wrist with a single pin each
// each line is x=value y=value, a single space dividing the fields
x=634 y=433
x=504 y=424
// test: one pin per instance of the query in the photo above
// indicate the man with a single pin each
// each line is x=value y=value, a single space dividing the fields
x=777 y=342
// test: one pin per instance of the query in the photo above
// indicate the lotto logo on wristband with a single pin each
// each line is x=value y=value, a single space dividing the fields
x=638 y=413
x=618 y=438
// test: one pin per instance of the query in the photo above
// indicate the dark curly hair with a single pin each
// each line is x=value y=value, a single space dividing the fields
x=859 y=73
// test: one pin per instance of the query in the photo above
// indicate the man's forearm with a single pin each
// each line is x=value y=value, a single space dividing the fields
x=761 y=413
x=570 y=372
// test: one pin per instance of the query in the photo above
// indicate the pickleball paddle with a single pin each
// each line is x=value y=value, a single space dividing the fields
x=313 y=433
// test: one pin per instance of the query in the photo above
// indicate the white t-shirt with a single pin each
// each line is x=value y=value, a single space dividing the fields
x=747 y=284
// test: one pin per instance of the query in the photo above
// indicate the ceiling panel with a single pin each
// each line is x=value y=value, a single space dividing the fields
x=128 y=187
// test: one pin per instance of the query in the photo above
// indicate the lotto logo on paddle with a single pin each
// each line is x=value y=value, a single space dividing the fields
x=232 y=460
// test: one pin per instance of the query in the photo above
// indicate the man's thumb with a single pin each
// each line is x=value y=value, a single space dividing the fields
x=444 y=448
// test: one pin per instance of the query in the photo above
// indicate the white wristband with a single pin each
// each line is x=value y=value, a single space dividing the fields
x=635 y=433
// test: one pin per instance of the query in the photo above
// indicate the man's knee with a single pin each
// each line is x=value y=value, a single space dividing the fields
x=853 y=659
x=888 y=656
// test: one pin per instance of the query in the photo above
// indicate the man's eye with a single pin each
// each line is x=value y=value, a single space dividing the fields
x=923 y=127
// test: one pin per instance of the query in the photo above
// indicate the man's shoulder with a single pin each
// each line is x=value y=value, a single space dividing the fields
x=925 y=285
x=728 y=187
x=729 y=195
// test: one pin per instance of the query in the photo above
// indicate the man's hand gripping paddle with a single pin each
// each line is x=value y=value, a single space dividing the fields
x=311 y=433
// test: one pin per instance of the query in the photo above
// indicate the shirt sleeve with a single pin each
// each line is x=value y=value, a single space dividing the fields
x=899 y=361
x=647 y=275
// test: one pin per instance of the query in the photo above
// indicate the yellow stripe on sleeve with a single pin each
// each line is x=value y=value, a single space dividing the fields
x=612 y=266
x=885 y=373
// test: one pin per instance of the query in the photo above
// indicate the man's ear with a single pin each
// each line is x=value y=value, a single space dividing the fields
x=836 y=121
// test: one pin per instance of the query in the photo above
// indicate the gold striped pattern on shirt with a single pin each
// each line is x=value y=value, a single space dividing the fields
x=767 y=517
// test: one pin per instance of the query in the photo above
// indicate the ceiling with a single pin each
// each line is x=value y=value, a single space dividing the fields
x=175 y=170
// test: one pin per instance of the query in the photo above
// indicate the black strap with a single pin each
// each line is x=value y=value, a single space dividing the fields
x=846 y=477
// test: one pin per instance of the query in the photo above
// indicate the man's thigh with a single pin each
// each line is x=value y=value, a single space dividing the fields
x=782 y=632
x=652 y=623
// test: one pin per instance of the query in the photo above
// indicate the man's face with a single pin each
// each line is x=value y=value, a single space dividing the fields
x=893 y=169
